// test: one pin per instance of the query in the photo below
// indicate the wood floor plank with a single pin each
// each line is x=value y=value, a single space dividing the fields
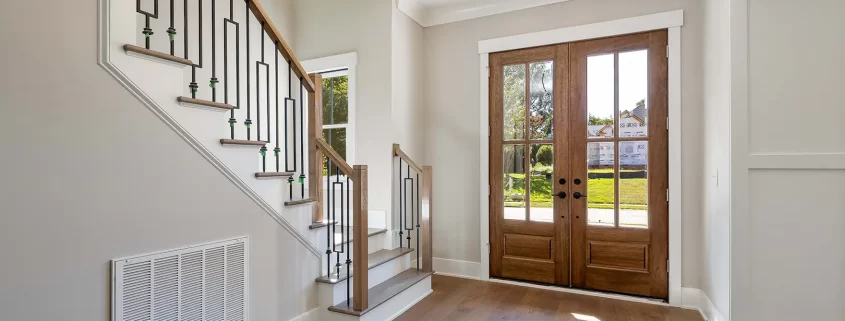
x=457 y=299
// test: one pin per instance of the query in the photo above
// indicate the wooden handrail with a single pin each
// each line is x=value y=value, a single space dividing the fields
x=335 y=157
x=258 y=10
x=397 y=151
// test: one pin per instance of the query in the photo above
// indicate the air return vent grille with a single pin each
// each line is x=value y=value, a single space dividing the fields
x=199 y=283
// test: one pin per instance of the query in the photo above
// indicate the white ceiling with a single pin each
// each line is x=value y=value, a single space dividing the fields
x=434 y=12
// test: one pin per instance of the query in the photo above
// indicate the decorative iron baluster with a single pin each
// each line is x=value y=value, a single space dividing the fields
x=236 y=104
x=277 y=149
x=348 y=235
x=331 y=228
x=302 y=138
x=213 y=82
x=401 y=204
x=148 y=32
x=293 y=107
x=339 y=184
x=171 y=32
x=410 y=230
x=248 y=121
x=258 y=64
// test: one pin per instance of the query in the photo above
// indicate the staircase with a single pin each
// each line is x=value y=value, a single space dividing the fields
x=221 y=76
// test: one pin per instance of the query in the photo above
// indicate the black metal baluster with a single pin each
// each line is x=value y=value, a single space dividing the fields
x=293 y=107
x=193 y=86
x=302 y=138
x=171 y=32
x=277 y=149
x=248 y=121
x=348 y=235
x=331 y=228
x=401 y=204
x=236 y=104
x=418 y=221
x=410 y=230
x=338 y=183
x=263 y=149
x=213 y=82
x=148 y=32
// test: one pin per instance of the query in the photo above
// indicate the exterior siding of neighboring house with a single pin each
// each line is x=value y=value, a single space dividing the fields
x=630 y=153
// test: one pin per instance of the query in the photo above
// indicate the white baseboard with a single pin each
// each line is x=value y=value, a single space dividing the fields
x=312 y=315
x=696 y=299
x=456 y=268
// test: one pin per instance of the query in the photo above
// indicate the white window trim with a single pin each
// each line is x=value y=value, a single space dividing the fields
x=672 y=20
x=349 y=62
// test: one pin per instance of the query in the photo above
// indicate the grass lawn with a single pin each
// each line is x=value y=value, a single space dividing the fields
x=633 y=192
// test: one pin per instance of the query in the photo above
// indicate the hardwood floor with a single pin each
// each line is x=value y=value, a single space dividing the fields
x=456 y=299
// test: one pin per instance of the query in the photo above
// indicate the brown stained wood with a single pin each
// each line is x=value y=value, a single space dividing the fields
x=335 y=158
x=427 y=204
x=273 y=174
x=300 y=202
x=383 y=291
x=359 y=247
x=457 y=299
x=204 y=103
x=315 y=159
x=522 y=261
x=157 y=54
x=562 y=162
x=397 y=151
x=630 y=260
x=274 y=34
x=317 y=225
x=375 y=259
x=242 y=142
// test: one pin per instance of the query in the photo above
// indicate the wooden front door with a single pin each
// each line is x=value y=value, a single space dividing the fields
x=579 y=164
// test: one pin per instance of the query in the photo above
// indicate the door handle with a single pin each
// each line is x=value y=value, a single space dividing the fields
x=561 y=194
x=578 y=195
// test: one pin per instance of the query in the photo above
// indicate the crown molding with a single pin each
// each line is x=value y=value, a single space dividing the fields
x=428 y=16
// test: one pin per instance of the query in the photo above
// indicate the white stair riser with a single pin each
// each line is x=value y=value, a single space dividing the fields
x=375 y=243
x=332 y=294
x=389 y=310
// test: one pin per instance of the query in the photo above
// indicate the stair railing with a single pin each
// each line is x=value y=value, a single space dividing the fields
x=414 y=199
x=346 y=215
x=248 y=59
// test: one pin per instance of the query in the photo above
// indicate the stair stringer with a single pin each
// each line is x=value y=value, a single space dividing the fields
x=157 y=85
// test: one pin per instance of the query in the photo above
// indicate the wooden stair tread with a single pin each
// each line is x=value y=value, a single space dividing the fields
x=204 y=103
x=242 y=142
x=273 y=174
x=317 y=225
x=384 y=291
x=370 y=232
x=157 y=54
x=300 y=202
x=373 y=260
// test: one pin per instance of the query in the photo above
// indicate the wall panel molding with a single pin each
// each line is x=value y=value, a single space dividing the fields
x=827 y=161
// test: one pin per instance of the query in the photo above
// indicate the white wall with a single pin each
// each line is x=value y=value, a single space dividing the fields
x=714 y=272
x=452 y=99
x=330 y=27
x=407 y=79
x=89 y=174
x=787 y=222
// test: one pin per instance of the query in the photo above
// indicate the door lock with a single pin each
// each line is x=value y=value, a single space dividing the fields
x=578 y=195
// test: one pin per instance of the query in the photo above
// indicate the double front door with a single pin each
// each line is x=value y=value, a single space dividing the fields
x=579 y=164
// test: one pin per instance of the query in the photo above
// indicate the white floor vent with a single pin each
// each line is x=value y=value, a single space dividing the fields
x=199 y=283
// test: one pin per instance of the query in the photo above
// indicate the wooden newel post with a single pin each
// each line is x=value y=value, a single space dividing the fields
x=425 y=217
x=315 y=131
x=359 y=235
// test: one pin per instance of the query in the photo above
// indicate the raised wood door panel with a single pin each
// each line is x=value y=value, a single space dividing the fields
x=526 y=242
x=620 y=245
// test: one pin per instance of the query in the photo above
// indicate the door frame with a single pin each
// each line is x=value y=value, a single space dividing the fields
x=672 y=20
